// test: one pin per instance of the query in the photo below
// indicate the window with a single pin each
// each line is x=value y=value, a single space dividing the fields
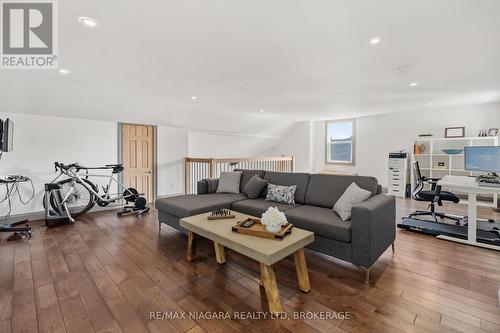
x=340 y=142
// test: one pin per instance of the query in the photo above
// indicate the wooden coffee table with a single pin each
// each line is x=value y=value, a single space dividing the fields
x=265 y=251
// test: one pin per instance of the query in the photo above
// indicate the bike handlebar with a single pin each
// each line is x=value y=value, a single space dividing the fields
x=61 y=166
x=65 y=167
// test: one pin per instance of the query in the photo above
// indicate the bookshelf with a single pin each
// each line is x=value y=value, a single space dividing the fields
x=434 y=163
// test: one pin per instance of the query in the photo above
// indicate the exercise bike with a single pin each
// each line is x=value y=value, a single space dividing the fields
x=75 y=195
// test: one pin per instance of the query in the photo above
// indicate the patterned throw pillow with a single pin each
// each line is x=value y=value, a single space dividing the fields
x=281 y=193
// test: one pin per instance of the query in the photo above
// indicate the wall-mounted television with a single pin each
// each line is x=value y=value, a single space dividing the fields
x=6 y=135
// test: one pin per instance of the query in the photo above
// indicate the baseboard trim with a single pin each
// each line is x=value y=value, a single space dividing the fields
x=40 y=215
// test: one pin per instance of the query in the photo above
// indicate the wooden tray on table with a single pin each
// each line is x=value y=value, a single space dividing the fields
x=259 y=230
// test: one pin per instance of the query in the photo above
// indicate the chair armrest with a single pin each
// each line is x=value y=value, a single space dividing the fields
x=431 y=181
x=207 y=186
x=373 y=228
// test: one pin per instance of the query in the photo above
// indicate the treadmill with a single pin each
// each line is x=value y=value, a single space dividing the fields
x=488 y=231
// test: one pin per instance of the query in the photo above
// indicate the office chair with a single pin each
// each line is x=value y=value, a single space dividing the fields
x=435 y=195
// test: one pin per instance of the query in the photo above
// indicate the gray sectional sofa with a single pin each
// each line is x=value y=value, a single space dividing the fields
x=360 y=240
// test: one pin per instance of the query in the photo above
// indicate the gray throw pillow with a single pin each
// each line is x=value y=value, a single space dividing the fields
x=352 y=196
x=213 y=184
x=229 y=182
x=281 y=193
x=254 y=187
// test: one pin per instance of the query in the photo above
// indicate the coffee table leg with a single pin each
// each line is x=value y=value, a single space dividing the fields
x=220 y=256
x=302 y=274
x=191 y=247
x=272 y=293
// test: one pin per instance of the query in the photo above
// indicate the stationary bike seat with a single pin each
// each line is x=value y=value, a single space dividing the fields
x=117 y=168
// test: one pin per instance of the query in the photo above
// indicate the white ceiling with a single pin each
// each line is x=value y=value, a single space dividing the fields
x=297 y=59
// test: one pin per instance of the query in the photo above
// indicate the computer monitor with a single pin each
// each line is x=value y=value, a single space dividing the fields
x=483 y=158
x=6 y=135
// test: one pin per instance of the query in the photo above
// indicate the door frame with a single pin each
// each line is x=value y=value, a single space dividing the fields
x=155 y=154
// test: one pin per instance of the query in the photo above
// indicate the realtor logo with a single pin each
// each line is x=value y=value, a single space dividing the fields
x=29 y=34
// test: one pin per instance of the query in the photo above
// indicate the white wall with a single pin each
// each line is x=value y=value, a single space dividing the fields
x=378 y=135
x=172 y=147
x=39 y=141
x=298 y=143
x=203 y=144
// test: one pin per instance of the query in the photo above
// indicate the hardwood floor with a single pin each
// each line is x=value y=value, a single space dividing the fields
x=108 y=274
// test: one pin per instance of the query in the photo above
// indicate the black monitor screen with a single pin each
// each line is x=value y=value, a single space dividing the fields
x=6 y=135
x=485 y=159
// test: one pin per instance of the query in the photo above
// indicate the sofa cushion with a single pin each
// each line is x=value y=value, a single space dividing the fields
x=229 y=182
x=192 y=204
x=281 y=193
x=352 y=196
x=254 y=187
x=211 y=185
x=322 y=221
x=325 y=190
x=289 y=178
x=246 y=175
x=256 y=207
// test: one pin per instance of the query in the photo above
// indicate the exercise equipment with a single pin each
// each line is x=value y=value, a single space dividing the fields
x=21 y=229
x=54 y=202
x=138 y=208
x=75 y=195
x=488 y=231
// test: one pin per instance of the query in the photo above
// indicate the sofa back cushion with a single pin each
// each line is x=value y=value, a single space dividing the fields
x=325 y=190
x=254 y=187
x=289 y=178
x=246 y=175
x=229 y=182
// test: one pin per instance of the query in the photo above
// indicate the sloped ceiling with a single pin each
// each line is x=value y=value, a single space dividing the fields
x=296 y=59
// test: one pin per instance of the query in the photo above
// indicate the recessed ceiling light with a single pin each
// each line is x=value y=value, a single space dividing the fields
x=194 y=97
x=375 y=40
x=414 y=84
x=64 y=71
x=430 y=104
x=261 y=110
x=88 y=21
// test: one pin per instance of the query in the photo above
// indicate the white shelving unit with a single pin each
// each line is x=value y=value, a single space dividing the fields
x=432 y=156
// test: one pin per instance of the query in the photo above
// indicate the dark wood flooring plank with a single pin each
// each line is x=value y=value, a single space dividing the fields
x=49 y=313
x=24 y=316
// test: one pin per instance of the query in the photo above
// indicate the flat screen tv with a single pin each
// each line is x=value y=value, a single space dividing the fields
x=7 y=134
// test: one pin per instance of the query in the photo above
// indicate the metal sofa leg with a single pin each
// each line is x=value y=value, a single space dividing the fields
x=392 y=245
x=367 y=276
x=367 y=273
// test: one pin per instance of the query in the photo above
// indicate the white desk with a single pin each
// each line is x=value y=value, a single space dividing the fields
x=468 y=185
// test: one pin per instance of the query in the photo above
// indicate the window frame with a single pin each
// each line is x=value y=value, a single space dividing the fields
x=353 y=145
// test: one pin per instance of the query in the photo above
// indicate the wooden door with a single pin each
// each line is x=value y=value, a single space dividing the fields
x=137 y=145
